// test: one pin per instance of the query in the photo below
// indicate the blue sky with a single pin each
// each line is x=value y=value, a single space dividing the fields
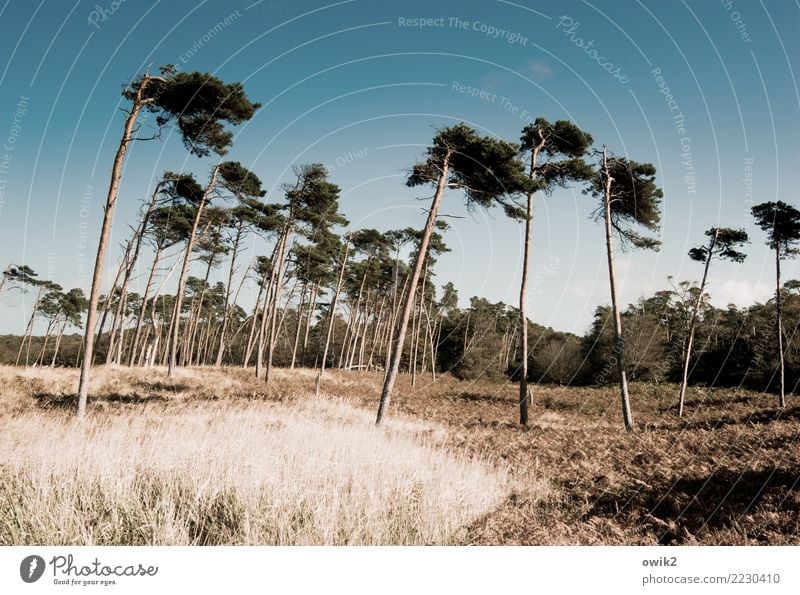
x=361 y=85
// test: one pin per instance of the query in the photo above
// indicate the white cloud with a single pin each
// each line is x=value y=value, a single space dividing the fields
x=738 y=291
x=539 y=69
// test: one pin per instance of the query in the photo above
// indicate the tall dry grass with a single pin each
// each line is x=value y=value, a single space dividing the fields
x=183 y=471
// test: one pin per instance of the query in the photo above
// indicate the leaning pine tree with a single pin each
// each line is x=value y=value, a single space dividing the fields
x=722 y=245
x=781 y=221
x=238 y=181
x=628 y=196
x=199 y=104
x=554 y=154
x=487 y=170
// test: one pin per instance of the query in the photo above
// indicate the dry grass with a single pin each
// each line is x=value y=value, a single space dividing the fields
x=728 y=473
x=175 y=468
x=216 y=457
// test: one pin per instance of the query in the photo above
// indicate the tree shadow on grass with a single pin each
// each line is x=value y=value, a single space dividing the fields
x=687 y=506
x=699 y=403
x=161 y=386
x=481 y=398
x=60 y=401
x=766 y=416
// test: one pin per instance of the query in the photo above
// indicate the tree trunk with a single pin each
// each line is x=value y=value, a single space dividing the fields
x=131 y=258
x=270 y=296
x=299 y=325
x=779 y=323
x=105 y=232
x=29 y=329
x=192 y=335
x=397 y=353
x=123 y=267
x=312 y=306
x=173 y=343
x=58 y=343
x=376 y=334
x=524 y=393
x=121 y=339
x=619 y=343
x=234 y=251
x=254 y=323
x=40 y=358
x=391 y=327
x=332 y=313
x=143 y=309
x=692 y=325
x=276 y=302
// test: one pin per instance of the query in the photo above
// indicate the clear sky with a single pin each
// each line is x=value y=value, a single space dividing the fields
x=361 y=85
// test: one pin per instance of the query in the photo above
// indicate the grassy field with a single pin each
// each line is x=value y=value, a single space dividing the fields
x=215 y=457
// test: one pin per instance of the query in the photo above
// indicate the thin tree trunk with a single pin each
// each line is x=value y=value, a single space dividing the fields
x=40 y=358
x=143 y=309
x=157 y=294
x=394 y=365
x=619 y=343
x=251 y=337
x=692 y=325
x=362 y=321
x=271 y=295
x=282 y=319
x=779 y=322
x=430 y=328
x=525 y=396
x=58 y=343
x=121 y=339
x=193 y=334
x=379 y=324
x=332 y=313
x=276 y=302
x=392 y=326
x=105 y=232
x=312 y=306
x=182 y=278
x=299 y=326
x=234 y=251
x=29 y=330
x=107 y=302
x=361 y=337
x=131 y=258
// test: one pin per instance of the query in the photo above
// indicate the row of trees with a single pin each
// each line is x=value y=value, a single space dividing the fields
x=317 y=285
x=733 y=346
x=61 y=309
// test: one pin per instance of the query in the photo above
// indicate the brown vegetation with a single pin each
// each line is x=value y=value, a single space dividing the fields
x=193 y=460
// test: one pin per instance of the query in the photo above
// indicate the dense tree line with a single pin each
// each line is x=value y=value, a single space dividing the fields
x=365 y=299
x=734 y=347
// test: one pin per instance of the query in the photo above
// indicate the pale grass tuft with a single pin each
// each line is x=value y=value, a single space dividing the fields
x=233 y=472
